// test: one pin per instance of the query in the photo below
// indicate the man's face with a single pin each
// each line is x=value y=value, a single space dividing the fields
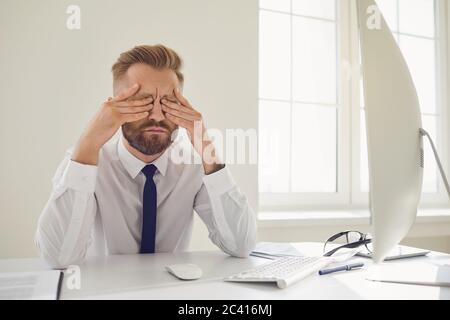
x=153 y=134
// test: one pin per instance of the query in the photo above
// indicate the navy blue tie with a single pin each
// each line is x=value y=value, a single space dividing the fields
x=149 y=211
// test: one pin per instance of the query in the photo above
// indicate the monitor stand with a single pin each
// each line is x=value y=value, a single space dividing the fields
x=438 y=161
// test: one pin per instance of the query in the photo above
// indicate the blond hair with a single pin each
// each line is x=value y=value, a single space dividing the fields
x=157 y=56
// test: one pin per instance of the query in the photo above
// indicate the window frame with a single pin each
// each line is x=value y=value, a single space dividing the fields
x=349 y=195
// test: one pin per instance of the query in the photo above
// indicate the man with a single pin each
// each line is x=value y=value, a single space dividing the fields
x=127 y=195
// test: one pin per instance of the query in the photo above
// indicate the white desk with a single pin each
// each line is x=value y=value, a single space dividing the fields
x=144 y=277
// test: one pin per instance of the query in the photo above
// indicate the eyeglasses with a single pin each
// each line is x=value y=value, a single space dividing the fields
x=354 y=239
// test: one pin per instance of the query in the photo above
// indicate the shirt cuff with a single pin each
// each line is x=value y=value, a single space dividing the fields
x=79 y=177
x=219 y=182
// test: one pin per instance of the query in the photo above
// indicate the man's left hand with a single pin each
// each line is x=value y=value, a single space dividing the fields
x=183 y=114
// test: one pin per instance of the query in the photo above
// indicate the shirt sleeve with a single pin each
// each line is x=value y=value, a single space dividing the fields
x=224 y=209
x=64 y=228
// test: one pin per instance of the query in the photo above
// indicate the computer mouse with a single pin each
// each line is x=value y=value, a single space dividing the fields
x=185 y=271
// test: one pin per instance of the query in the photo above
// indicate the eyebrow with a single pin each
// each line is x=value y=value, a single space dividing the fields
x=143 y=95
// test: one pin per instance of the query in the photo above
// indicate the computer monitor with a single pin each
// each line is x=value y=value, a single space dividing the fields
x=394 y=139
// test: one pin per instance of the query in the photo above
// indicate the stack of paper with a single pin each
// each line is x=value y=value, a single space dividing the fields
x=274 y=250
x=419 y=273
x=42 y=285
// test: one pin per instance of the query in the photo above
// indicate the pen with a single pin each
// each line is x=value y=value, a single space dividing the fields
x=348 y=267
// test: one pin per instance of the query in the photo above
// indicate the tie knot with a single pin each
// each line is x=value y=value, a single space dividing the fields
x=149 y=170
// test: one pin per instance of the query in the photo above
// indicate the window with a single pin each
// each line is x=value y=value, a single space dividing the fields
x=312 y=149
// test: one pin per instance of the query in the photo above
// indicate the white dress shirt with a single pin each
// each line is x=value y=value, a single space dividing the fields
x=97 y=210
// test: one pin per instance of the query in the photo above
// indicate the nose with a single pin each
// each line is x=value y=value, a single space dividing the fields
x=157 y=113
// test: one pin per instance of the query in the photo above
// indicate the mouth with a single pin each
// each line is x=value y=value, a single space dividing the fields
x=155 y=130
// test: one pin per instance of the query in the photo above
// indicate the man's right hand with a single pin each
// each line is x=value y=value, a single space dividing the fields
x=111 y=116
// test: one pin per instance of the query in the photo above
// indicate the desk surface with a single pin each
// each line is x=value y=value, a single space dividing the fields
x=144 y=277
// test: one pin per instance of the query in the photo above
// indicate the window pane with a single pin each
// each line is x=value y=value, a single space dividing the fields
x=389 y=10
x=315 y=8
x=417 y=17
x=420 y=56
x=274 y=55
x=280 y=5
x=314 y=61
x=314 y=149
x=274 y=145
x=429 y=123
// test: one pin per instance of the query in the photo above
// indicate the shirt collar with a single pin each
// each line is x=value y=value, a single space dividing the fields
x=133 y=165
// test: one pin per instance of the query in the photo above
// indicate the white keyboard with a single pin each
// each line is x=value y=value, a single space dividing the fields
x=284 y=271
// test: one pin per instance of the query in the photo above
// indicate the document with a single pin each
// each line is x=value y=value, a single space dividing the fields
x=423 y=274
x=273 y=250
x=42 y=285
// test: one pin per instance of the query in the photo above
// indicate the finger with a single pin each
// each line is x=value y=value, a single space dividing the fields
x=180 y=114
x=134 y=103
x=127 y=93
x=128 y=110
x=178 y=107
x=182 y=99
x=179 y=121
x=134 y=116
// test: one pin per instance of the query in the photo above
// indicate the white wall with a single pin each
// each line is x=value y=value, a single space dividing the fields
x=52 y=81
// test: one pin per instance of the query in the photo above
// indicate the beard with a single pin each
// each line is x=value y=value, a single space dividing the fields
x=148 y=144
